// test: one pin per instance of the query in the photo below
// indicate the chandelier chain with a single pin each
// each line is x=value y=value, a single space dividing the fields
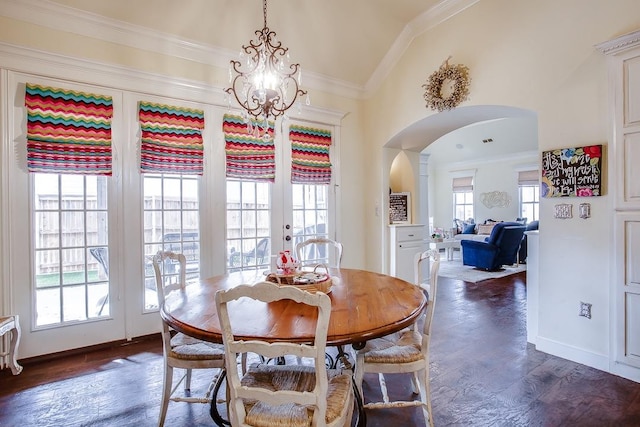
x=265 y=84
x=264 y=11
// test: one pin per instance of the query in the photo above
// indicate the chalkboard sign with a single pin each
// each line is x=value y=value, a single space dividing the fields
x=572 y=172
x=400 y=208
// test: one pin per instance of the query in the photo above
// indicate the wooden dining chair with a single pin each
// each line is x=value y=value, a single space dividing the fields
x=179 y=350
x=319 y=250
x=322 y=251
x=283 y=395
x=406 y=351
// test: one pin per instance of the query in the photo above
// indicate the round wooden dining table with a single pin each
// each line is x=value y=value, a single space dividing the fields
x=364 y=305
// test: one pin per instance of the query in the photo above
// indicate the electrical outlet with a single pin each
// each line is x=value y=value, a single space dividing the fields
x=585 y=310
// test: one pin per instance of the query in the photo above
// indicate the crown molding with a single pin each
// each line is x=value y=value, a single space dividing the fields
x=32 y=61
x=619 y=44
x=429 y=19
x=63 y=18
x=61 y=67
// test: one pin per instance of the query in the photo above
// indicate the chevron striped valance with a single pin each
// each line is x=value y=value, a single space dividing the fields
x=248 y=157
x=171 y=139
x=310 y=162
x=68 y=131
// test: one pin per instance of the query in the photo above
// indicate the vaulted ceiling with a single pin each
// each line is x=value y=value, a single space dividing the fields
x=350 y=42
x=345 y=45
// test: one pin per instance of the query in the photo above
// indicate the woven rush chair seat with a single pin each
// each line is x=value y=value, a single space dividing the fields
x=400 y=347
x=181 y=351
x=283 y=395
x=300 y=378
x=189 y=348
x=406 y=351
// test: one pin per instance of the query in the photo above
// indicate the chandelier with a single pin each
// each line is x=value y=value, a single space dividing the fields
x=265 y=85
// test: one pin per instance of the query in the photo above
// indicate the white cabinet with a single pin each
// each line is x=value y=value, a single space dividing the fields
x=623 y=55
x=406 y=241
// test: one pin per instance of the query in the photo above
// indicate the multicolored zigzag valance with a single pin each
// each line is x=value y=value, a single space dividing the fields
x=248 y=157
x=68 y=131
x=310 y=162
x=171 y=139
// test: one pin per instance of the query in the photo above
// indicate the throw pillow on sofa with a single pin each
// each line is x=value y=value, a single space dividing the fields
x=486 y=228
x=469 y=229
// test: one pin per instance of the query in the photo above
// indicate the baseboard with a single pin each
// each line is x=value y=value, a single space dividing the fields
x=575 y=354
x=625 y=371
x=89 y=349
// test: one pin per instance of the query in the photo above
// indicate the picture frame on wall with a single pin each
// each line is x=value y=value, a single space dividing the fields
x=572 y=172
x=400 y=208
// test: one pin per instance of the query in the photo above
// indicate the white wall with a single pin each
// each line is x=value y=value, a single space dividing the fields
x=539 y=56
x=536 y=55
x=192 y=75
x=500 y=174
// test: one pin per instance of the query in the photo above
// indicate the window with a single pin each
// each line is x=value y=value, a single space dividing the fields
x=69 y=158
x=299 y=201
x=310 y=212
x=529 y=202
x=171 y=223
x=70 y=241
x=529 y=190
x=463 y=198
x=248 y=225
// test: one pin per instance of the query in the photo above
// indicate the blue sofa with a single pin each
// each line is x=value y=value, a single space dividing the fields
x=500 y=248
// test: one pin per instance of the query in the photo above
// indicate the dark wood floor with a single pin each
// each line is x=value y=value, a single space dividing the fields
x=483 y=373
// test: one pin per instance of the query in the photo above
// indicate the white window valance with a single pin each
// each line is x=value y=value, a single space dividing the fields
x=528 y=177
x=462 y=184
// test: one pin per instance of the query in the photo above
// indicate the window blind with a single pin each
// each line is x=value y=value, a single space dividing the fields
x=68 y=131
x=248 y=157
x=463 y=184
x=528 y=178
x=171 y=139
x=310 y=163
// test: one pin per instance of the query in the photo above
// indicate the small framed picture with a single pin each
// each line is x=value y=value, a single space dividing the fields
x=585 y=210
x=563 y=211
x=400 y=208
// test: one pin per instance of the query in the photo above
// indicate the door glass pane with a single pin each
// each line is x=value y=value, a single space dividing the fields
x=48 y=306
x=47 y=223
x=248 y=225
x=171 y=223
x=74 y=303
x=310 y=213
x=70 y=221
x=74 y=261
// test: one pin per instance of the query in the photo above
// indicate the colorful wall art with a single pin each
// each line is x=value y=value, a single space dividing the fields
x=572 y=172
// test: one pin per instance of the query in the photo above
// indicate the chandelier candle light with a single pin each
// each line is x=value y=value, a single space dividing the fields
x=266 y=85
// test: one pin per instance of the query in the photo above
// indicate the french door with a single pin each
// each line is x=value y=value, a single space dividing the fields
x=62 y=228
x=264 y=218
x=78 y=245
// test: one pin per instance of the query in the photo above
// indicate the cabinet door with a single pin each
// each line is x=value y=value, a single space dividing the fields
x=404 y=259
x=627 y=146
x=627 y=284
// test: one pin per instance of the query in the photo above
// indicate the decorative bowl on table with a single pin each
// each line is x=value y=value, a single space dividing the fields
x=310 y=281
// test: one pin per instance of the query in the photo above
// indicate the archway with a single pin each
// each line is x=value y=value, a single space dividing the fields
x=416 y=137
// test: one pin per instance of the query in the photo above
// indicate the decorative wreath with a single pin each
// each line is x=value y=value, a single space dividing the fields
x=459 y=75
